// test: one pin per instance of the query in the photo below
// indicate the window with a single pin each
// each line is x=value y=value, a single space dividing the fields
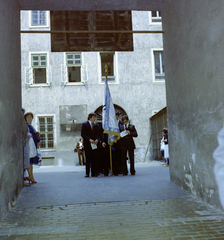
x=38 y=18
x=46 y=130
x=39 y=64
x=156 y=17
x=74 y=62
x=158 y=66
x=39 y=73
x=107 y=62
x=73 y=71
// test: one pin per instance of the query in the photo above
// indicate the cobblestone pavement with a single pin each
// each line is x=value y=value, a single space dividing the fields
x=183 y=217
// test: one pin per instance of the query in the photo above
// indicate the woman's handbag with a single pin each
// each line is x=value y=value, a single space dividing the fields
x=162 y=146
x=32 y=148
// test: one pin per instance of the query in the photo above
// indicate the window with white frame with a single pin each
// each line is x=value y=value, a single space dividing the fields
x=46 y=130
x=38 y=18
x=74 y=63
x=107 y=64
x=156 y=17
x=39 y=73
x=73 y=71
x=159 y=66
x=39 y=65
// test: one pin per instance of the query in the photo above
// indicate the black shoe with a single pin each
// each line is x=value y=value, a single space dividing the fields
x=132 y=174
x=125 y=174
x=87 y=176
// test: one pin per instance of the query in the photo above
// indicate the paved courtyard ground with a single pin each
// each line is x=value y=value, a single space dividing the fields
x=65 y=205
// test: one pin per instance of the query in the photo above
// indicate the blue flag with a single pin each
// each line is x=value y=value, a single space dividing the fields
x=110 y=124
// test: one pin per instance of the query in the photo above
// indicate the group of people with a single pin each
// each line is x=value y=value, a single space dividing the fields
x=31 y=145
x=98 y=152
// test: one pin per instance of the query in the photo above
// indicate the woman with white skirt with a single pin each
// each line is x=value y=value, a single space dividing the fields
x=166 y=147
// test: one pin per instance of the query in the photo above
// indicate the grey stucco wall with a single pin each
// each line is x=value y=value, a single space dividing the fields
x=11 y=159
x=135 y=91
x=193 y=46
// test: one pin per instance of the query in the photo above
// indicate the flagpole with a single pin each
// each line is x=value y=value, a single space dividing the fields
x=111 y=167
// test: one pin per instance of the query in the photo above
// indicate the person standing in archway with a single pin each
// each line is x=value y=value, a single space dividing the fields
x=33 y=160
x=166 y=147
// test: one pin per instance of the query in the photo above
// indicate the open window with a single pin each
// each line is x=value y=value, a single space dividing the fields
x=107 y=60
x=74 y=63
x=73 y=71
x=39 y=73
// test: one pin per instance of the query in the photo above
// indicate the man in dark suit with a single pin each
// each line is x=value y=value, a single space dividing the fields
x=127 y=144
x=89 y=132
x=118 y=114
x=117 y=161
x=104 y=153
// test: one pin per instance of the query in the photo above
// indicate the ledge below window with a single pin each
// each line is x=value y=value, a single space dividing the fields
x=75 y=84
x=39 y=85
x=47 y=150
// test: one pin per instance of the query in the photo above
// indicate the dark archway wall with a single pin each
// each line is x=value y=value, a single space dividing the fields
x=194 y=50
x=11 y=159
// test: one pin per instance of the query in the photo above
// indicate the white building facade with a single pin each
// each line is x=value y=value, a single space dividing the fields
x=61 y=88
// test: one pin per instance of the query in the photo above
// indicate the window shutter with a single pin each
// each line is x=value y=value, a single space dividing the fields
x=64 y=74
x=49 y=75
x=29 y=75
x=84 y=73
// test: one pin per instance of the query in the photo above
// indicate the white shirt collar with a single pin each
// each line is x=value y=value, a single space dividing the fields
x=126 y=125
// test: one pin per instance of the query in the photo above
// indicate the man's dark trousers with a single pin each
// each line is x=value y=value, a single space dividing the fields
x=88 y=133
x=130 y=151
x=91 y=162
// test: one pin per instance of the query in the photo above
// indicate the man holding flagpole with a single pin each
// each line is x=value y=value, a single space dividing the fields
x=109 y=123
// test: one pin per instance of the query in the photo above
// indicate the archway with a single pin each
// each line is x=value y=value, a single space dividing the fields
x=117 y=108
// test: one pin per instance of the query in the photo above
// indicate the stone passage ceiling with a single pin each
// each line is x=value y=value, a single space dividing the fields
x=91 y=21
x=90 y=5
